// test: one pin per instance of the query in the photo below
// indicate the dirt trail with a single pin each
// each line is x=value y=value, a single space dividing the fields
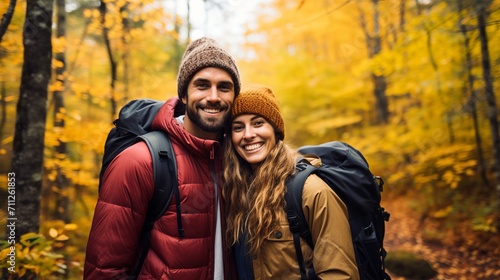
x=460 y=261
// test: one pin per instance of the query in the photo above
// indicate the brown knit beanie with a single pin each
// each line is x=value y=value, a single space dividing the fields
x=260 y=100
x=202 y=53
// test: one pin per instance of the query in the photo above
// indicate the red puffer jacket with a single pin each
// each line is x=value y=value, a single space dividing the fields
x=127 y=187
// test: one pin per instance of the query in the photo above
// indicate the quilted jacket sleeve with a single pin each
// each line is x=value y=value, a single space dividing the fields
x=119 y=215
x=333 y=255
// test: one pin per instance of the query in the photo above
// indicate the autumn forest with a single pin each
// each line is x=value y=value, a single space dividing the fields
x=412 y=84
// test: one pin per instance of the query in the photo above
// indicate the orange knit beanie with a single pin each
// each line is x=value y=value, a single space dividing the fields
x=260 y=100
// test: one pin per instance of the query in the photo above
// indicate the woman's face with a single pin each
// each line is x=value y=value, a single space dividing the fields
x=253 y=137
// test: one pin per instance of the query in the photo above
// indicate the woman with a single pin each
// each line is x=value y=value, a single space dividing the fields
x=257 y=164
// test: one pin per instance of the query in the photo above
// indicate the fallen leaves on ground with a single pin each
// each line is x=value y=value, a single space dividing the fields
x=460 y=254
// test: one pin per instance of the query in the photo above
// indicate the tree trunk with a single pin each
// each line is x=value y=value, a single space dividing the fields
x=6 y=18
x=3 y=105
x=380 y=86
x=437 y=76
x=27 y=161
x=402 y=19
x=373 y=43
x=472 y=108
x=62 y=200
x=112 y=62
x=126 y=50
x=379 y=81
x=481 y=8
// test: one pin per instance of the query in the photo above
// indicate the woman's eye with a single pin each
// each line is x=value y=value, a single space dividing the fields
x=237 y=128
x=259 y=123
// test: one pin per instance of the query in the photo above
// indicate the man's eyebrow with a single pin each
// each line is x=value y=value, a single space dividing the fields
x=221 y=83
x=201 y=80
x=226 y=83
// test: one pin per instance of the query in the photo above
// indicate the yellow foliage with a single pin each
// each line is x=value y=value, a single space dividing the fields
x=423 y=180
x=88 y=13
x=53 y=233
x=451 y=179
x=70 y=227
x=7 y=140
x=443 y=213
x=4 y=253
x=56 y=86
x=485 y=224
x=57 y=64
x=445 y=162
x=333 y=123
x=121 y=3
x=62 y=237
x=59 y=44
x=33 y=253
x=398 y=176
x=95 y=14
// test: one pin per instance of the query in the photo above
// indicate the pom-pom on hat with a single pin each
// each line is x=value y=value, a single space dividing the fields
x=202 y=53
x=260 y=100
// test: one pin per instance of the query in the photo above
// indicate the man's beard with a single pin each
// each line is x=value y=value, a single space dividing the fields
x=207 y=124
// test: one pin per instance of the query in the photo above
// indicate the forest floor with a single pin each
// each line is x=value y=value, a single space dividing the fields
x=459 y=254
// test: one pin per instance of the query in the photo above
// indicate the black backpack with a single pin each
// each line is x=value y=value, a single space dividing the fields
x=134 y=125
x=346 y=171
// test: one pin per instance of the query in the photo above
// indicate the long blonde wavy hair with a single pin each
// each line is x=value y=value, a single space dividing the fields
x=255 y=197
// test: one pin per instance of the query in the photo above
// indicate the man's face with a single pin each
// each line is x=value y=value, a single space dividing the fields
x=209 y=99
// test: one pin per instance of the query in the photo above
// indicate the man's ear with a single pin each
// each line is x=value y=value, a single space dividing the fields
x=184 y=100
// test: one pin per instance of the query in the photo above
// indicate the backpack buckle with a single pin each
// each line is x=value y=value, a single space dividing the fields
x=293 y=221
x=380 y=182
x=385 y=215
x=369 y=230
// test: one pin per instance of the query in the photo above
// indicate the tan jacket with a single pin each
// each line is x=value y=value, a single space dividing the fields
x=333 y=256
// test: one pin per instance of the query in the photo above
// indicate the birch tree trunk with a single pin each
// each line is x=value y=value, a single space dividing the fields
x=27 y=161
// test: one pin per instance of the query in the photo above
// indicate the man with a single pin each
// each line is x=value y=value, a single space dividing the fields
x=208 y=81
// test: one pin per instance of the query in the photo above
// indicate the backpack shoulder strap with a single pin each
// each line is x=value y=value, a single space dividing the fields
x=165 y=183
x=296 y=219
x=162 y=155
x=293 y=198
